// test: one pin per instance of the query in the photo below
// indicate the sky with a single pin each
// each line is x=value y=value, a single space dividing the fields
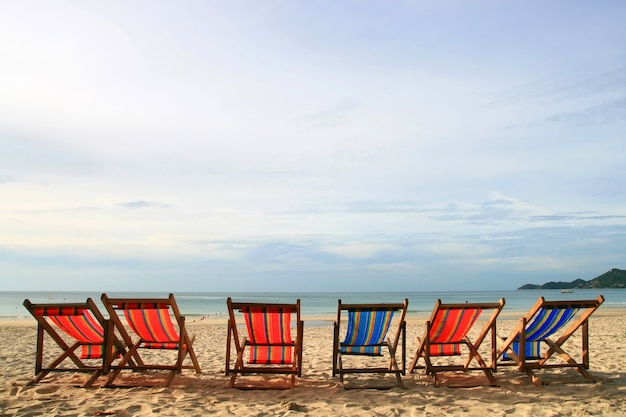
x=311 y=145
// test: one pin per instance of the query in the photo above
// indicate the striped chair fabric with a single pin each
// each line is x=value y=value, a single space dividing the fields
x=80 y=324
x=366 y=332
x=269 y=334
x=152 y=323
x=546 y=322
x=449 y=328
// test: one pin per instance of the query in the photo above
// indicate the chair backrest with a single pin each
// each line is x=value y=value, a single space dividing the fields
x=449 y=325
x=545 y=318
x=452 y=325
x=150 y=319
x=83 y=322
x=548 y=321
x=367 y=326
x=367 y=330
x=269 y=330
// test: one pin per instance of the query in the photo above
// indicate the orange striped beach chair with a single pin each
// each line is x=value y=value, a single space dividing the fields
x=366 y=333
x=543 y=321
x=149 y=320
x=446 y=336
x=81 y=332
x=272 y=348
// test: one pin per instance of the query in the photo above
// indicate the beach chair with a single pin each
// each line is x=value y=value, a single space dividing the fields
x=272 y=349
x=81 y=332
x=446 y=336
x=365 y=336
x=538 y=327
x=150 y=322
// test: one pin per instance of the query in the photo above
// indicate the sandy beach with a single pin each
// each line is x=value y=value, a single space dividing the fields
x=317 y=393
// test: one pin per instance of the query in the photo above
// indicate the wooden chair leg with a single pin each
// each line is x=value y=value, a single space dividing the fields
x=121 y=365
x=93 y=379
x=580 y=367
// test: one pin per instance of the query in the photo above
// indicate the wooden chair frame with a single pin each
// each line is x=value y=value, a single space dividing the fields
x=132 y=359
x=489 y=329
x=291 y=367
x=580 y=320
x=392 y=344
x=90 y=316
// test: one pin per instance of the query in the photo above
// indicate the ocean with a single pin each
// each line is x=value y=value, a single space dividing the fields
x=314 y=303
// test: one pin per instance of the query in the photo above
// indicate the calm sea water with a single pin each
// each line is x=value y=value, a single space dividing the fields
x=316 y=304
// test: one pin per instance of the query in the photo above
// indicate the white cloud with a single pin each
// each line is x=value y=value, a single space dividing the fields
x=335 y=138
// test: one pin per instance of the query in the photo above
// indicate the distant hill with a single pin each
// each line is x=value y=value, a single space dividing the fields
x=615 y=278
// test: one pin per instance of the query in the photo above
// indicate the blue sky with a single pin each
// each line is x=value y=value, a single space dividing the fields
x=313 y=146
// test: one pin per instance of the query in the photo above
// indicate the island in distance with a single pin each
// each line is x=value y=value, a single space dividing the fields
x=614 y=278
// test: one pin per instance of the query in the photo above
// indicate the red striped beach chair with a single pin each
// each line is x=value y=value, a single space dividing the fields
x=150 y=322
x=366 y=336
x=81 y=332
x=446 y=336
x=536 y=329
x=272 y=349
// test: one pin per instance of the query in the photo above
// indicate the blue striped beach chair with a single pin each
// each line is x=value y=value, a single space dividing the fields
x=366 y=335
x=546 y=319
